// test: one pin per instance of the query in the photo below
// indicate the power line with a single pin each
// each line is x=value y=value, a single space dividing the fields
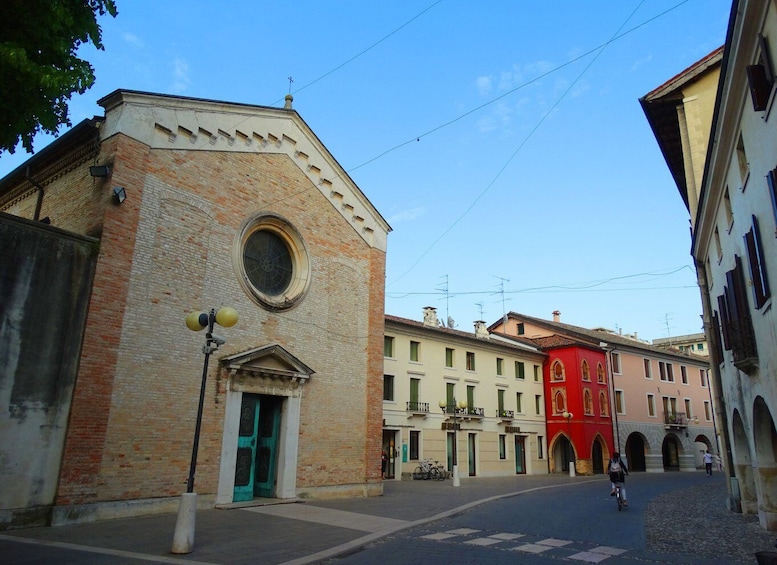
x=528 y=136
x=524 y=85
x=469 y=112
x=341 y=65
x=585 y=286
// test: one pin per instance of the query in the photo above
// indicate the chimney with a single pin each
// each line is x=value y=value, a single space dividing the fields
x=480 y=330
x=556 y=316
x=430 y=317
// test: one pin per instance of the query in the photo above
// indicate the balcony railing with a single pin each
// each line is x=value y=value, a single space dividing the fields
x=418 y=407
x=468 y=412
x=505 y=414
x=743 y=345
x=676 y=419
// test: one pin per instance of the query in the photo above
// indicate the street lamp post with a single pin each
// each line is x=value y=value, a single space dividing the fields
x=568 y=416
x=454 y=410
x=183 y=538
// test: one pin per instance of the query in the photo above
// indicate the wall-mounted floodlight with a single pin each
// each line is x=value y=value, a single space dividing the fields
x=119 y=194
x=100 y=170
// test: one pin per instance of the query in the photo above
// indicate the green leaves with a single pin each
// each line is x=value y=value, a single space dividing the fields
x=39 y=68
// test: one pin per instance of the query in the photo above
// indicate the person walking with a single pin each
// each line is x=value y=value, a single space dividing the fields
x=708 y=462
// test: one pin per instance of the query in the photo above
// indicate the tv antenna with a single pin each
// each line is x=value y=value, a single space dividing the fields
x=667 y=317
x=447 y=295
x=502 y=282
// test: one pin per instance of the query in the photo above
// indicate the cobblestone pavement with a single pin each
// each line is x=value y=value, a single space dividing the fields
x=695 y=520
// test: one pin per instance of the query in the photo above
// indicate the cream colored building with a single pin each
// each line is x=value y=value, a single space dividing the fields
x=734 y=249
x=734 y=242
x=502 y=429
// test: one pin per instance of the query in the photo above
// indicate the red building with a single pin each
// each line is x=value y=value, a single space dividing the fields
x=577 y=389
x=577 y=404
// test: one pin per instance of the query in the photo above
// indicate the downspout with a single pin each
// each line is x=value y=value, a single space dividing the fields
x=718 y=402
x=614 y=404
x=39 y=203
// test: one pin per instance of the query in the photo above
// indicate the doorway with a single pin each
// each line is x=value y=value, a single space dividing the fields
x=597 y=457
x=390 y=449
x=635 y=453
x=471 y=453
x=520 y=455
x=670 y=452
x=257 y=447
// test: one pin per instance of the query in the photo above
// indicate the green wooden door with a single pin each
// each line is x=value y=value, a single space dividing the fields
x=267 y=446
x=471 y=453
x=414 y=384
x=246 y=449
x=520 y=455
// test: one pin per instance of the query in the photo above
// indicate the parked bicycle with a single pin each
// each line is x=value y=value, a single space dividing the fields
x=427 y=469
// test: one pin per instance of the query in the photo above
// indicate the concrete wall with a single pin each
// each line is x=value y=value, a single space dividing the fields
x=45 y=278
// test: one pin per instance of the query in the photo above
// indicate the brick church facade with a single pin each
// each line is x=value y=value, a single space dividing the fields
x=205 y=204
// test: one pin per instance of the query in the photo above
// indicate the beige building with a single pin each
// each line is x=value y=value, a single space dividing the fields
x=501 y=429
x=691 y=343
x=734 y=251
x=680 y=113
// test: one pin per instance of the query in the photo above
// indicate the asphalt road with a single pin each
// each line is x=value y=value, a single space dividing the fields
x=570 y=524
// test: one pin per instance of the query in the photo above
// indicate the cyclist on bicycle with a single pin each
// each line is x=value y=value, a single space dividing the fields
x=617 y=470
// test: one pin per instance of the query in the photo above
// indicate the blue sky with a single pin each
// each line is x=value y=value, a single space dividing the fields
x=502 y=140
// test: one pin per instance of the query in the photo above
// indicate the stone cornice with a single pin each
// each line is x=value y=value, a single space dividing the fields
x=165 y=122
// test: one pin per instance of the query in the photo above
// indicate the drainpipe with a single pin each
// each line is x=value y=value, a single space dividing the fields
x=613 y=406
x=39 y=203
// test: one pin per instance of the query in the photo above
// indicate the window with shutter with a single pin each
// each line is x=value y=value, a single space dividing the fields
x=757 y=265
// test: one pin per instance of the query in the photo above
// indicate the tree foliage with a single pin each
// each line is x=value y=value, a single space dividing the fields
x=39 y=69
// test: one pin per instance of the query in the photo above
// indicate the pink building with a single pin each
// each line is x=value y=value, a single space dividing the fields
x=609 y=392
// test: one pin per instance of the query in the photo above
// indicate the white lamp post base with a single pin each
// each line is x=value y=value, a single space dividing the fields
x=571 y=468
x=183 y=538
x=456 y=481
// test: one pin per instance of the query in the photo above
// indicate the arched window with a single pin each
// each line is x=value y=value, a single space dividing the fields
x=559 y=402
x=584 y=370
x=588 y=404
x=602 y=403
x=557 y=371
x=600 y=373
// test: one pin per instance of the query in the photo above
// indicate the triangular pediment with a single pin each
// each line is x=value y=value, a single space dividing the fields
x=194 y=124
x=269 y=360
